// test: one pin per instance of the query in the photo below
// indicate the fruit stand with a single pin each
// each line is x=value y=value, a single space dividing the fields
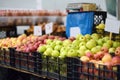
x=56 y=56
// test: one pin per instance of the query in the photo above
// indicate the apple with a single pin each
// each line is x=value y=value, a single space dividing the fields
x=95 y=36
x=75 y=42
x=48 y=41
x=116 y=60
x=53 y=44
x=84 y=59
x=82 y=44
x=83 y=48
x=63 y=54
x=111 y=50
x=78 y=36
x=48 y=52
x=58 y=42
x=99 y=55
x=90 y=44
x=87 y=36
x=100 y=42
x=116 y=44
x=82 y=38
x=106 y=38
x=55 y=53
x=67 y=42
x=101 y=26
x=117 y=51
x=81 y=53
x=41 y=49
x=58 y=47
x=94 y=50
x=104 y=49
x=72 y=53
x=107 y=58
x=51 y=37
x=89 y=54
x=106 y=45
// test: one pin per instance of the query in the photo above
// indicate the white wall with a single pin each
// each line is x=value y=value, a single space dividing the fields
x=62 y=4
x=18 y=4
x=46 y=4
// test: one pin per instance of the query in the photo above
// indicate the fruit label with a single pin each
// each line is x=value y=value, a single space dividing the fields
x=37 y=30
x=21 y=29
x=49 y=28
x=112 y=26
x=74 y=31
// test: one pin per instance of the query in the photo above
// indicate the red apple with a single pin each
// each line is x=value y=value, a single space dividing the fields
x=116 y=60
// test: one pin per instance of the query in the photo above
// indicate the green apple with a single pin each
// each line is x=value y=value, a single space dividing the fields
x=41 y=49
x=116 y=44
x=63 y=54
x=83 y=48
x=82 y=39
x=90 y=44
x=48 y=41
x=82 y=44
x=48 y=52
x=100 y=42
x=67 y=42
x=58 y=42
x=53 y=44
x=94 y=50
x=88 y=36
x=78 y=36
x=88 y=51
x=72 y=53
x=95 y=36
x=58 y=47
x=98 y=47
x=81 y=53
x=75 y=42
x=106 y=38
x=101 y=26
x=63 y=49
x=55 y=53
x=111 y=50
x=106 y=45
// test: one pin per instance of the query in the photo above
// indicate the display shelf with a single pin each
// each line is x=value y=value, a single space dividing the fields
x=28 y=20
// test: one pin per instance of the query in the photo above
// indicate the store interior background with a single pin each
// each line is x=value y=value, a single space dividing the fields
x=47 y=5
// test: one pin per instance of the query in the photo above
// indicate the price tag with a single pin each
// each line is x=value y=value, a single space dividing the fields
x=21 y=29
x=37 y=30
x=74 y=31
x=49 y=28
x=112 y=26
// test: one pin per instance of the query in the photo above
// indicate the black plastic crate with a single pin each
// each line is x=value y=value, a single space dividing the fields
x=5 y=56
x=54 y=68
x=88 y=71
x=26 y=61
x=99 y=17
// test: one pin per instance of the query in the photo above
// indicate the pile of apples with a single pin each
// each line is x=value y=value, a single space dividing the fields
x=79 y=46
x=34 y=42
x=13 y=41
